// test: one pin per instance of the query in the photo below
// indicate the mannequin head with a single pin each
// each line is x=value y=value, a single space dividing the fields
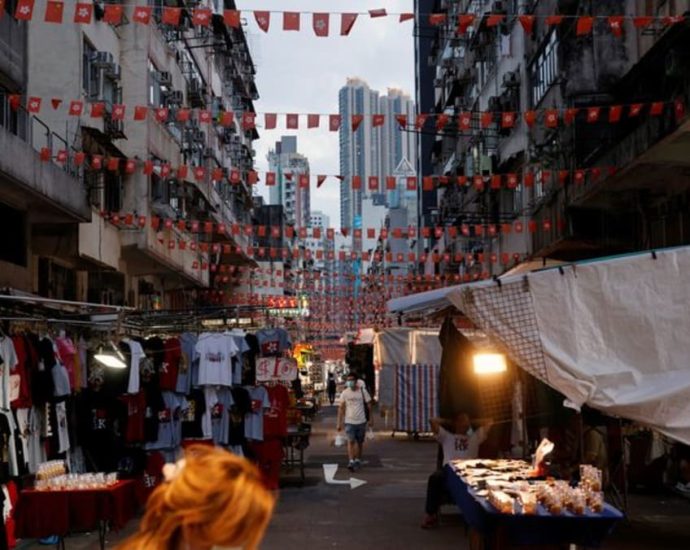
x=210 y=499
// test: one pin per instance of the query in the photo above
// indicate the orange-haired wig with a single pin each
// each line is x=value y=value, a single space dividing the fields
x=216 y=499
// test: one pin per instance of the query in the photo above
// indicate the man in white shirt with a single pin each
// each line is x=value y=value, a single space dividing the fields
x=353 y=409
x=460 y=443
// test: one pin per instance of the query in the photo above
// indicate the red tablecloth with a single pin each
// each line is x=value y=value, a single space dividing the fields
x=44 y=513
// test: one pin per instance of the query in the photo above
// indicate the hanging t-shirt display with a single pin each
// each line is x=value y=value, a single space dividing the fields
x=154 y=405
x=192 y=415
x=216 y=421
x=136 y=355
x=238 y=359
x=275 y=418
x=171 y=364
x=98 y=411
x=238 y=412
x=23 y=370
x=215 y=359
x=273 y=341
x=135 y=409
x=9 y=362
x=249 y=367
x=169 y=424
x=254 y=420
x=189 y=363
x=67 y=353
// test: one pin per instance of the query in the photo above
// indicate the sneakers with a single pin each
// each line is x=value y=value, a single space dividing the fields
x=351 y=465
x=430 y=521
x=358 y=464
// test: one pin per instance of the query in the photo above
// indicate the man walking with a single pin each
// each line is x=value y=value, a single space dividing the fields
x=354 y=410
x=331 y=388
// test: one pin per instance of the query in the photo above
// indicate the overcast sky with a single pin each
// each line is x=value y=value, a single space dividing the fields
x=302 y=73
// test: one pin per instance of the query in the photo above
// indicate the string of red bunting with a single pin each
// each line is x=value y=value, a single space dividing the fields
x=114 y=14
x=465 y=121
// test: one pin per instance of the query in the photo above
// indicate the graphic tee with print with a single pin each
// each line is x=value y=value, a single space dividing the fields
x=254 y=420
x=354 y=405
x=275 y=418
x=273 y=341
x=215 y=359
x=460 y=446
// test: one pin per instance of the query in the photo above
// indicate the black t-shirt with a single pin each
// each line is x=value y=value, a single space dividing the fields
x=192 y=415
x=43 y=388
x=249 y=360
x=98 y=413
x=242 y=405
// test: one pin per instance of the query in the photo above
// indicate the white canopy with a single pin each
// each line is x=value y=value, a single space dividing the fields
x=613 y=333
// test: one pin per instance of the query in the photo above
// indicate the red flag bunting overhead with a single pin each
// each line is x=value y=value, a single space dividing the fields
x=142 y=15
x=304 y=181
x=34 y=105
x=642 y=21
x=551 y=118
x=494 y=20
x=263 y=19
x=402 y=120
x=527 y=22
x=248 y=121
x=347 y=21
x=83 y=12
x=441 y=121
x=584 y=25
x=406 y=17
x=76 y=108
x=377 y=120
x=291 y=21
x=320 y=24
x=292 y=121
x=464 y=22
x=615 y=113
x=554 y=20
x=118 y=112
x=465 y=121
x=373 y=183
x=24 y=10
x=616 y=25
x=593 y=114
x=508 y=120
x=54 y=12
x=635 y=110
x=356 y=121
x=113 y=14
x=171 y=16
x=313 y=121
x=320 y=180
x=270 y=120
x=232 y=18
x=420 y=121
x=437 y=19
x=270 y=178
x=334 y=123
x=381 y=12
x=657 y=108
x=201 y=17
x=227 y=118
x=487 y=119
x=569 y=116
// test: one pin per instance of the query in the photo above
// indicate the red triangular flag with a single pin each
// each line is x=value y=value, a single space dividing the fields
x=291 y=21
x=406 y=17
x=263 y=19
x=615 y=112
x=55 y=102
x=313 y=121
x=436 y=19
x=347 y=21
x=83 y=12
x=402 y=120
x=54 y=12
x=356 y=121
x=334 y=123
x=554 y=19
x=171 y=16
x=495 y=19
x=113 y=14
x=24 y=10
x=320 y=180
x=270 y=121
x=643 y=21
x=527 y=22
x=201 y=17
x=381 y=12
x=584 y=25
x=142 y=15
x=33 y=105
x=320 y=24
x=292 y=121
x=232 y=18
x=464 y=22
x=616 y=25
x=420 y=121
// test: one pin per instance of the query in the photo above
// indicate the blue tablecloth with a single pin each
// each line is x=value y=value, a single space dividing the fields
x=543 y=528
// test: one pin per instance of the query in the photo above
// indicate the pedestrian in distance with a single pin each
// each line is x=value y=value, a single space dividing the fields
x=458 y=441
x=210 y=500
x=331 y=388
x=354 y=414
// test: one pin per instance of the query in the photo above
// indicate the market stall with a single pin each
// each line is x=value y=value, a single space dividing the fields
x=408 y=362
x=506 y=505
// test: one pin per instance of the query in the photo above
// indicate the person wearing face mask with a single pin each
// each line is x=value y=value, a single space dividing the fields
x=354 y=411
x=211 y=500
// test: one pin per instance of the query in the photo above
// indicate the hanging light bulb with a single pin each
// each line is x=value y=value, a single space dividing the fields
x=110 y=356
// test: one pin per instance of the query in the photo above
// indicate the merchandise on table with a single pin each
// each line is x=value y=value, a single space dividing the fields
x=76 y=482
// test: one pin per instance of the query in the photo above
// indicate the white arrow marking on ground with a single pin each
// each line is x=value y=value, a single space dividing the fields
x=329 y=471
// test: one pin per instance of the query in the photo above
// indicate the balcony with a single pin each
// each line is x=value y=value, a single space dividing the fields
x=13 y=48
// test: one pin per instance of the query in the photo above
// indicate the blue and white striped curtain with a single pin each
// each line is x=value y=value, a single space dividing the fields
x=416 y=397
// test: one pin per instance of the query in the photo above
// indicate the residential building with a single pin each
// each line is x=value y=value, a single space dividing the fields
x=135 y=241
x=588 y=185
x=287 y=165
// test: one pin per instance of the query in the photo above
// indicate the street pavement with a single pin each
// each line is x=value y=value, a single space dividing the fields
x=385 y=513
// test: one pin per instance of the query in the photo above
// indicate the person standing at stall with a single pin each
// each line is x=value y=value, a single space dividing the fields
x=458 y=441
x=354 y=411
x=331 y=388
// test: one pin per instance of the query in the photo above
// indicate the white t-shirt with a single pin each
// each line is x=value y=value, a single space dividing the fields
x=354 y=405
x=460 y=446
x=137 y=354
x=9 y=362
x=215 y=359
x=254 y=420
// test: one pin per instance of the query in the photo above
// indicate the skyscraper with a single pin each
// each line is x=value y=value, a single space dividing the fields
x=370 y=152
x=287 y=165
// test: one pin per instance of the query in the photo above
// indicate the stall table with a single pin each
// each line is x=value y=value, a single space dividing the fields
x=542 y=529
x=294 y=444
x=41 y=514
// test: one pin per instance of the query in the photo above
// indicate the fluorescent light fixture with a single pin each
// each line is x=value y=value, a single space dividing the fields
x=489 y=363
x=111 y=357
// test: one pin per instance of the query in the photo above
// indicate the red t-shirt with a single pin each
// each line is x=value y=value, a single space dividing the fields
x=275 y=418
x=153 y=475
x=172 y=352
x=136 y=413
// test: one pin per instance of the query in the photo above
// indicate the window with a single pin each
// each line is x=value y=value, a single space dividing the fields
x=90 y=72
x=544 y=70
x=155 y=92
x=105 y=189
x=13 y=222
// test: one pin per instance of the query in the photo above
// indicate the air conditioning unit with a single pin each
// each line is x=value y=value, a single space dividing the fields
x=102 y=59
x=175 y=97
x=164 y=78
x=511 y=79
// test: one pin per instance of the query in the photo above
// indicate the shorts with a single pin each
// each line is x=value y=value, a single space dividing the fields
x=356 y=432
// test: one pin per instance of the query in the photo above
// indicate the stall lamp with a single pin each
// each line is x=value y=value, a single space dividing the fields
x=489 y=363
x=111 y=357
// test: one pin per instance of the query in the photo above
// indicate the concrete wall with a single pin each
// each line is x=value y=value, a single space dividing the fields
x=100 y=241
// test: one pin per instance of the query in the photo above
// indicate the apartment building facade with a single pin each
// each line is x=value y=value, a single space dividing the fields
x=594 y=183
x=140 y=239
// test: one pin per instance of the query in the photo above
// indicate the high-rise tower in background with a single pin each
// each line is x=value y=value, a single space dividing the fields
x=287 y=165
x=371 y=152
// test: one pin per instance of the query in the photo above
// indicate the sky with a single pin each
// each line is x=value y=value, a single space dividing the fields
x=298 y=72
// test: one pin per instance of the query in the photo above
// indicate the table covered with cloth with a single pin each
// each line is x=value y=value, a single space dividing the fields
x=542 y=528
x=44 y=513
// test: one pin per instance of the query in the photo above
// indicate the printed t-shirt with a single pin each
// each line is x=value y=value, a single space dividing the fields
x=67 y=352
x=168 y=423
x=354 y=405
x=216 y=421
x=272 y=342
x=215 y=359
x=135 y=410
x=136 y=355
x=23 y=371
x=241 y=407
x=171 y=364
x=254 y=420
x=192 y=415
x=153 y=473
x=238 y=359
x=275 y=418
x=460 y=446
x=249 y=363
x=188 y=357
